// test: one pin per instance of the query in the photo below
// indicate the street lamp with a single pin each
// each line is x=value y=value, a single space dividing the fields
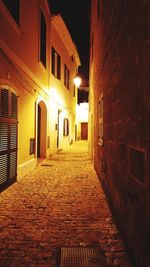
x=77 y=81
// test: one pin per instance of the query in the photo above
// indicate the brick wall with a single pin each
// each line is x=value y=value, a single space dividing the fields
x=120 y=69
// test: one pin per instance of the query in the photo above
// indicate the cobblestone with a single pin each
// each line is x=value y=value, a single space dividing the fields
x=59 y=204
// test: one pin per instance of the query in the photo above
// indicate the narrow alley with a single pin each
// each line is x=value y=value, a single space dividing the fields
x=59 y=204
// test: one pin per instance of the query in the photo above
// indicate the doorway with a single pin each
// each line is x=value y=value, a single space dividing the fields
x=84 y=131
x=58 y=126
x=75 y=132
x=41 y=129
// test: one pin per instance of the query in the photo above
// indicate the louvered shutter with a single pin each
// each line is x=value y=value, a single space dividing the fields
x=8 y=137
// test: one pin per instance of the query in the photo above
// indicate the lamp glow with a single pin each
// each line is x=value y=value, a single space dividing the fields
x=77 y=81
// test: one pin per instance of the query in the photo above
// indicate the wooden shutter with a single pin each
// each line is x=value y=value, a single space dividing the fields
x=8 y=137
x=3 y=151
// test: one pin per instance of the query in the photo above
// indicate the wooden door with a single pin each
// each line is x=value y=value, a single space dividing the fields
x=84 y=131
x=39 y=132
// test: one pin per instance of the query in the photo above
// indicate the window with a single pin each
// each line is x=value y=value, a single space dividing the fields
x=92 y=47
x=56 y=64
x=72 y=59
x=32 y=146
x=100 y=120
x=74 y=90
x=66 y=127
x=98 y=9
x=8 y=137
x=137 y=170
x=13 y=8
x=66 y=76
x=43 y=40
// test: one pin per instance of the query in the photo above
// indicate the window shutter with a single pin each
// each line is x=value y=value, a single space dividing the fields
x=3 y=169
x=53 y=61
x=8 y=137
x=3 y=136
x=4 y=103
x=58 y=67
x=3 y=150
x=13 y=106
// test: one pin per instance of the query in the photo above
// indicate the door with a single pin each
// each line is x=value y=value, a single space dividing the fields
x=8 y=137
x=41 y=130
x=58 y=118
x=84 y=131
x=75 y=132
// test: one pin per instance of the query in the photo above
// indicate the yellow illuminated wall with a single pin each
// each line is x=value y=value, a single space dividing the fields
x=62 y=99
x=34 y=84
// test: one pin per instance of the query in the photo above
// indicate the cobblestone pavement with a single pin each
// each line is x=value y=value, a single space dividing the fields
x=58 y=204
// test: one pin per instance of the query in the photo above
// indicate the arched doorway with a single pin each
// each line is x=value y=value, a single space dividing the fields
x=41 y=129
x=8 y=137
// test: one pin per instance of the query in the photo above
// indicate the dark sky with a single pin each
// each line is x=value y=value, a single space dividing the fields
x=76 y=14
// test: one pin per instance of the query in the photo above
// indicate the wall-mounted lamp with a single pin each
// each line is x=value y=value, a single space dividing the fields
x=77 y=81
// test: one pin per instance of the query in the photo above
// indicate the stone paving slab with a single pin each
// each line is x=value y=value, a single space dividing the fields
x=60 y=204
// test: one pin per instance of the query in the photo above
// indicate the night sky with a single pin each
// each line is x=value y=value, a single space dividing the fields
x=76 y=15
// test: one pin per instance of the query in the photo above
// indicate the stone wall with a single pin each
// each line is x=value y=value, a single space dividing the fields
x=120 y=69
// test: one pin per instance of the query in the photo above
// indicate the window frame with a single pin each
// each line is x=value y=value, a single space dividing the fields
x=66 y=127
x=92 y=47
x=55 y=63
x=43 y=41
x=98 y=9
x=15 y=14
x=66 y=77
x=74 y=90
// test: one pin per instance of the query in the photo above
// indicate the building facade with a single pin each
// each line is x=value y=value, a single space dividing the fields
x=119 y=114
x=64 y=62
x=31 y=96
